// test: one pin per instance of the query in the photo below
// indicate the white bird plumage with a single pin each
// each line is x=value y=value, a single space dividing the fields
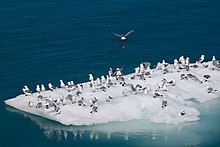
x=201 y=59
x=51 y=87
x=26 y=90
x=43 y=88
x=91 y=77
x=38 y=88
x=62 y=85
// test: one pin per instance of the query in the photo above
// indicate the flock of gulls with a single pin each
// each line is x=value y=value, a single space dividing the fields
x=114 y=78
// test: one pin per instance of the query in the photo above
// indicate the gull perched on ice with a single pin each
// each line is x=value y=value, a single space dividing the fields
x=110 y=72
x=117 y=72
x=164 y=63
x=122 y=36
x=38 y=88
x=141 y=67
x=210 y=89
x=182 y=60
x=134 y=89
x=30 y=104
x=70 y=86
x=91 y=77
x=51 y=87
x=102 y=79
x=43 y=88
x=213 y=59
x=164 y=103
x=62 y=85
x=182 y=113
x=215 y=62
x=137 y=69
x=196 y=65
x=98 y=82
x=201 y=59
x=187 y=61
x=26 y=90
x=175 y=63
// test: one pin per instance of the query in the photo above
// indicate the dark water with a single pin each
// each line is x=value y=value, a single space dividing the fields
x=44 y=41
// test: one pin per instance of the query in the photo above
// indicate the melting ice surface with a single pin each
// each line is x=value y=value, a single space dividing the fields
x=166 y=94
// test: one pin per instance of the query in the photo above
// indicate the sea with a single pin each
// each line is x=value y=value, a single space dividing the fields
x=43 y=41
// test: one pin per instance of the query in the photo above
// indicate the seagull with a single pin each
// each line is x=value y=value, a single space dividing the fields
x=187 y=61
x=38 y=88
x=98 y=82
x=141 y=67
x=26 y=90
x=40 y=97
x=73 y=98
x=102 y=79
x=90 y=77
x=164 y=103
x=25 y=87
x=194 y=78
x=146 y=65
x=51 y=87
x=94 y=109
x=93 y=101
x=39 y=104
x=117 y=72
x=134 y=89
x=110 y=72
x=70 y=86
x=164 y=63
x=213 y=58
x=210 y=89
x=122 y=36
x=175 y=62
x=30 y=104
x=43 y=88
x=206 y=77
x=72 y=83
x=196 y=65
x=182 y=113
x=201 y=59
x=62 y=85
x=156 y=94
x=181 y=60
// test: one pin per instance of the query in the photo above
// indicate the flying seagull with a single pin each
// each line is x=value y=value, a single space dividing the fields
x=122 y=36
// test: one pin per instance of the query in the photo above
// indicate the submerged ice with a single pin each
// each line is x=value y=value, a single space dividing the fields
x=165 y=94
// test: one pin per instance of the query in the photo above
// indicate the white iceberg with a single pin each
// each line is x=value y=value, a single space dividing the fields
x=166 y=94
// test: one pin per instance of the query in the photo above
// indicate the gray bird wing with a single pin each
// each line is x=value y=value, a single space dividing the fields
x=129 y=33
x=115 y=34
x=131 y=86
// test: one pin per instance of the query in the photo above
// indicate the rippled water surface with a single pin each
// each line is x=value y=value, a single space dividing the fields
x=44 y=41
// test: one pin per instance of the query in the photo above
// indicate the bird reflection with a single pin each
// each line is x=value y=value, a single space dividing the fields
x=118 y=48
x=65 y=134
x=74 y=132
x=122 y=45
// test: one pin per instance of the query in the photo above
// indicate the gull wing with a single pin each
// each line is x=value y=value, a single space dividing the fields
x=130 y=86
x=115 y=33
x=128 y=33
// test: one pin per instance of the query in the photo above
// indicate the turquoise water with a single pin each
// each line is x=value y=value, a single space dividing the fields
x=44 y=41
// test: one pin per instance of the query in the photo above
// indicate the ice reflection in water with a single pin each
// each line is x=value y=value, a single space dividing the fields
x=139 y=131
